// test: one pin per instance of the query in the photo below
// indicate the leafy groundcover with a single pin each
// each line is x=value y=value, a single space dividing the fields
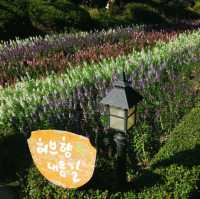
x=174 y=171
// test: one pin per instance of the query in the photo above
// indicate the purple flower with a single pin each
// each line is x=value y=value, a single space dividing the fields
x=142 y=83
x=157 y=76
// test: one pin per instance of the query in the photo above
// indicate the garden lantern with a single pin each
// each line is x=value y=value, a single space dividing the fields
x=122 y=105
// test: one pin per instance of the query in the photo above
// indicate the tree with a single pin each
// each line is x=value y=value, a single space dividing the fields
x=180 y=3
x=58 y=15
x=14 y=20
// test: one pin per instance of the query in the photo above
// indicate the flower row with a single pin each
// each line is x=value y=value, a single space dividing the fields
x=70 y=43
x=87 y=85
x=59 y=62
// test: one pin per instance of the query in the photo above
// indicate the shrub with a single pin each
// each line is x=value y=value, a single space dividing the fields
x=171 y=182
x=103 y=20
x=142 y=13
x=179 y=155
x=36 y=187
x=92 y=3
x=197 y=7
x=178 y=10
x=94 y=12
x=59 y=15
x=15 y=157
x=174 y=172
x=185 y=137
x=14 y=20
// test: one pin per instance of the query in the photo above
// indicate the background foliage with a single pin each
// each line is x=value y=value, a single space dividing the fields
x=39 y=17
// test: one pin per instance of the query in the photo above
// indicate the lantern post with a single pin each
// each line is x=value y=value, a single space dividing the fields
x=121 y=103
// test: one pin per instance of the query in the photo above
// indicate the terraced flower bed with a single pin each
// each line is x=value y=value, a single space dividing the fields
x=24 y=64
x=161 y=73
x=38 y=57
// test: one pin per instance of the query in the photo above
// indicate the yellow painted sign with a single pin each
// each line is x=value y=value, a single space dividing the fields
x=65 y=159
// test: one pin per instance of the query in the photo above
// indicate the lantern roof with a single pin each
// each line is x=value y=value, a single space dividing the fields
x=122 y=95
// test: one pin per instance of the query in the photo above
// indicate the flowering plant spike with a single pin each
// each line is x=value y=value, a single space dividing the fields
x=64 y=158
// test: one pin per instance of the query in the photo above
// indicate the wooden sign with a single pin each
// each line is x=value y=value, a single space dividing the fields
x=65 y=159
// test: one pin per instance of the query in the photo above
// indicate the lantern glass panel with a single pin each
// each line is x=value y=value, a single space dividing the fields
x=117 y=111
x=131 y=121
x=117 y=123
x=131 y=110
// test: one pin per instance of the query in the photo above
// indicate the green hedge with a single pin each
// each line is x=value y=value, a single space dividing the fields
x=177 y=161
x=185 y=137
x=174 y=171
x=38 y=188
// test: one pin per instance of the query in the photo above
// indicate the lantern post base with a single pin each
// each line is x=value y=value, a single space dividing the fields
x=120 y=140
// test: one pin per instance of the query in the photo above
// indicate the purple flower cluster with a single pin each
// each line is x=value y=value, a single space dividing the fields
x=67 y=43
x=41 y=66
x=36 y=47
